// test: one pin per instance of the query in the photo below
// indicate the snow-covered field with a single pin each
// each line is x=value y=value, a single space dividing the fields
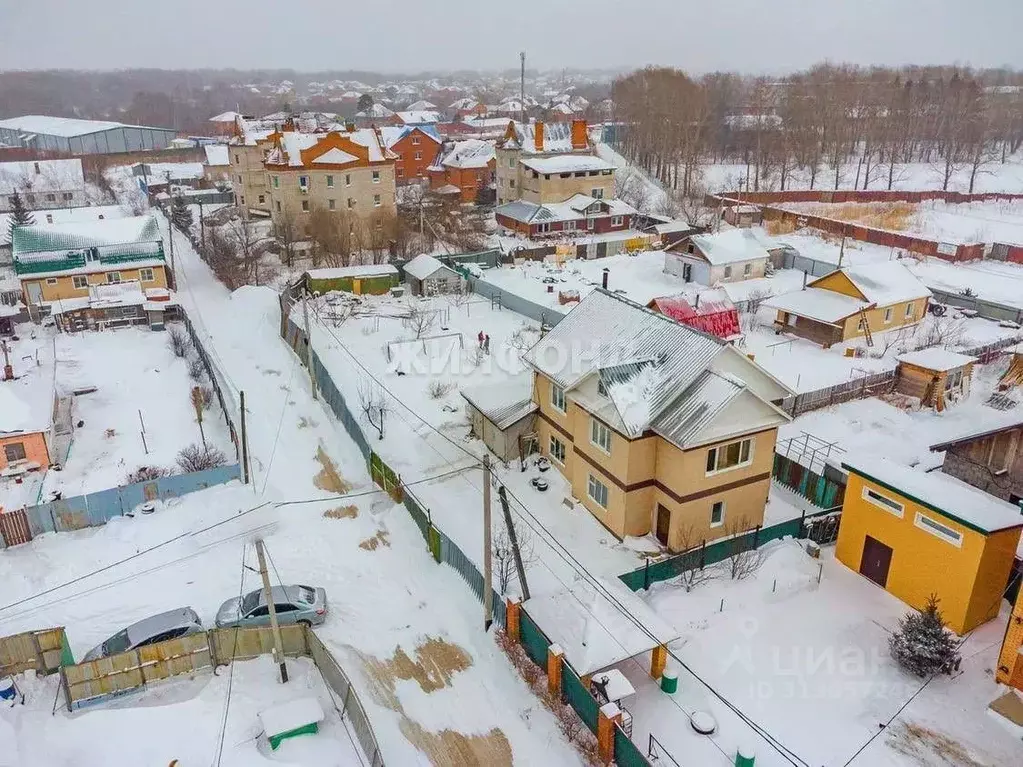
x=809 y=662
x=990 y=221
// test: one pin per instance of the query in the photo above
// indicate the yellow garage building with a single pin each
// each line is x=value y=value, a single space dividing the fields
x=917 y=533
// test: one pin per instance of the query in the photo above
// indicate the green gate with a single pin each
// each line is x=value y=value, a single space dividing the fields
x=533 y=640
x=578 y=696
x=626 y=752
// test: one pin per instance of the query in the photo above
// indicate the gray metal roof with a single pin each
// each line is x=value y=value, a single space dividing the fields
x=691 y=412
x=505 y=403
x=520 y=210
x=607 y=332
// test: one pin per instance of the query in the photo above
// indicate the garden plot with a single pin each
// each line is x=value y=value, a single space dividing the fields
x=140 y=414
x=179 y=720
x=809 y=661
x=968 y=222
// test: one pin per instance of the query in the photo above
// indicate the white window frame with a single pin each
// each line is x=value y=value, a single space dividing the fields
x=51 y=280
x=888 y=316
x=568 y=226
x=376 y=177
x=332 y=204
x=330 y=181
x=415 y=141
x=882 y=501
x=557 y=446
x=558 y=399
x=597 y=193
x=417 y=156
x=511 y=162
x=728 y=271
x=600 y=435
x=909 y=311
x=595 y=487
x=113 y=278
x=617 y=220
x=543 y=228
x=938 y=530
x=80 y=282
x=143 y=272
x=377 y=201
x=747 y=269
x=719 y=450
x=721 y=521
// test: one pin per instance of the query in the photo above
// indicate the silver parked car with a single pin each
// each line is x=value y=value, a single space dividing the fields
x=156 y=628
x=293 y=604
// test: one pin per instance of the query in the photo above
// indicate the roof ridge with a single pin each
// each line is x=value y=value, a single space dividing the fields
x=664 y=317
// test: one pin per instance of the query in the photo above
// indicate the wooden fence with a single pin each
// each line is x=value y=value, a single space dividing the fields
x=100 y=679
x=865 y=386
x=246 y=643
x=44 y=651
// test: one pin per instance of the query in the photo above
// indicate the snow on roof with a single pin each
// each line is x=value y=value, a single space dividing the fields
x=421 y=116
x=505 y=403
x=471 y=153
x=936 y=358
x=285 y=717
x=817 y=304
x=26 y=403
x=605 y=331
x=884 y=283
x=557 y=138
x=423 y=265
x=1013 y=422
x=63 y=216
x=360 y=270
x=566 y=163
x=157 y=171
x=216 y=154
x=65 y=127
x=377 y=110
x=335 y=156
x=596 y=625
x=708 y=396
x=573 y=208
x=940 y=492
x=84 y=234
x=420 y=106
x=392 y=134
x=52 y=175
x=670 y=227
x=224 y=117
x=731 y=246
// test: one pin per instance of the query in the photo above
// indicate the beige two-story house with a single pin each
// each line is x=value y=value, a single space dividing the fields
x=657 y=426
x=544 y=163
x=350 y=173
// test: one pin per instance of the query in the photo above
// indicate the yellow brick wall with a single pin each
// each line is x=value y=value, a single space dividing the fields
x=1010 y=662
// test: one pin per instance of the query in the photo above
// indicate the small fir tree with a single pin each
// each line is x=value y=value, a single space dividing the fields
x=20 y=216
x=181 y=216
x=922 y=645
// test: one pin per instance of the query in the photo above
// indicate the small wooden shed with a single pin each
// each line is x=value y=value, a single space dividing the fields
x=372 y=279
x=502 y=413
x=936 y=376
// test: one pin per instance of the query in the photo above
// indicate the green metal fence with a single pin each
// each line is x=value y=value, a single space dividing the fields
x=710 y=554
x=578 y=697
x=533 y=639
x=626 y=752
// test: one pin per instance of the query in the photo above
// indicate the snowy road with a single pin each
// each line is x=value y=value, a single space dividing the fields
x=409 y=633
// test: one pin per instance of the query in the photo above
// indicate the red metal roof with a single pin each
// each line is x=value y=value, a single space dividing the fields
x=716 y=316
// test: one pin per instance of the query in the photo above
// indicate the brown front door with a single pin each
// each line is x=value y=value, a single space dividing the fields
x=877 y=558
x=663 y=524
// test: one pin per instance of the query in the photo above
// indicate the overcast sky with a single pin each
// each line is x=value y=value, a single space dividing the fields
x=407 y=36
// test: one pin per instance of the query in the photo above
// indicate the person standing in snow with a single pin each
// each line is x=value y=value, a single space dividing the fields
x=479 y=338
x=486 y=344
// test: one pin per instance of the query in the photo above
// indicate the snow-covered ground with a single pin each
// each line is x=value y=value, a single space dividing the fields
x=809 y=662
x=408 y=632
x=179 y=719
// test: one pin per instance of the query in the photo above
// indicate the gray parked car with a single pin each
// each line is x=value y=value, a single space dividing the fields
x=293 y=604
x=156 y=628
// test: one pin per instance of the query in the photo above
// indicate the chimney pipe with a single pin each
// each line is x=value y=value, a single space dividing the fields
x=697 y=305
x=538 y=136
x=804 y=279
x=604 y=279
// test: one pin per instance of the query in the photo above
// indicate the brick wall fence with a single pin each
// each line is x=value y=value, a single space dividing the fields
x=910 y=243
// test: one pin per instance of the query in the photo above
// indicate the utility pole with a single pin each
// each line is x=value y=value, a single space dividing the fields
x=8 y=370
x=268 y=596
x=522 y=85
x=308 y=345
x=245 y=441
x=488 y=588
x=202 y=232
x=514 y=542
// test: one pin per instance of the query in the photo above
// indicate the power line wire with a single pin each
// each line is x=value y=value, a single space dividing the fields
x=230 y=673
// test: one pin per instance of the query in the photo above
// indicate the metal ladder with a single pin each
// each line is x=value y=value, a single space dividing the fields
x=866 y=327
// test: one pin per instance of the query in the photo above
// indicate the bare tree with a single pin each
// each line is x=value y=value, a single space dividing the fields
x=751 y=307
x=743 y=558
x=374 y=404
x=504 y=557
x=288 y=232
x=691 y=571
x=421 y=316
